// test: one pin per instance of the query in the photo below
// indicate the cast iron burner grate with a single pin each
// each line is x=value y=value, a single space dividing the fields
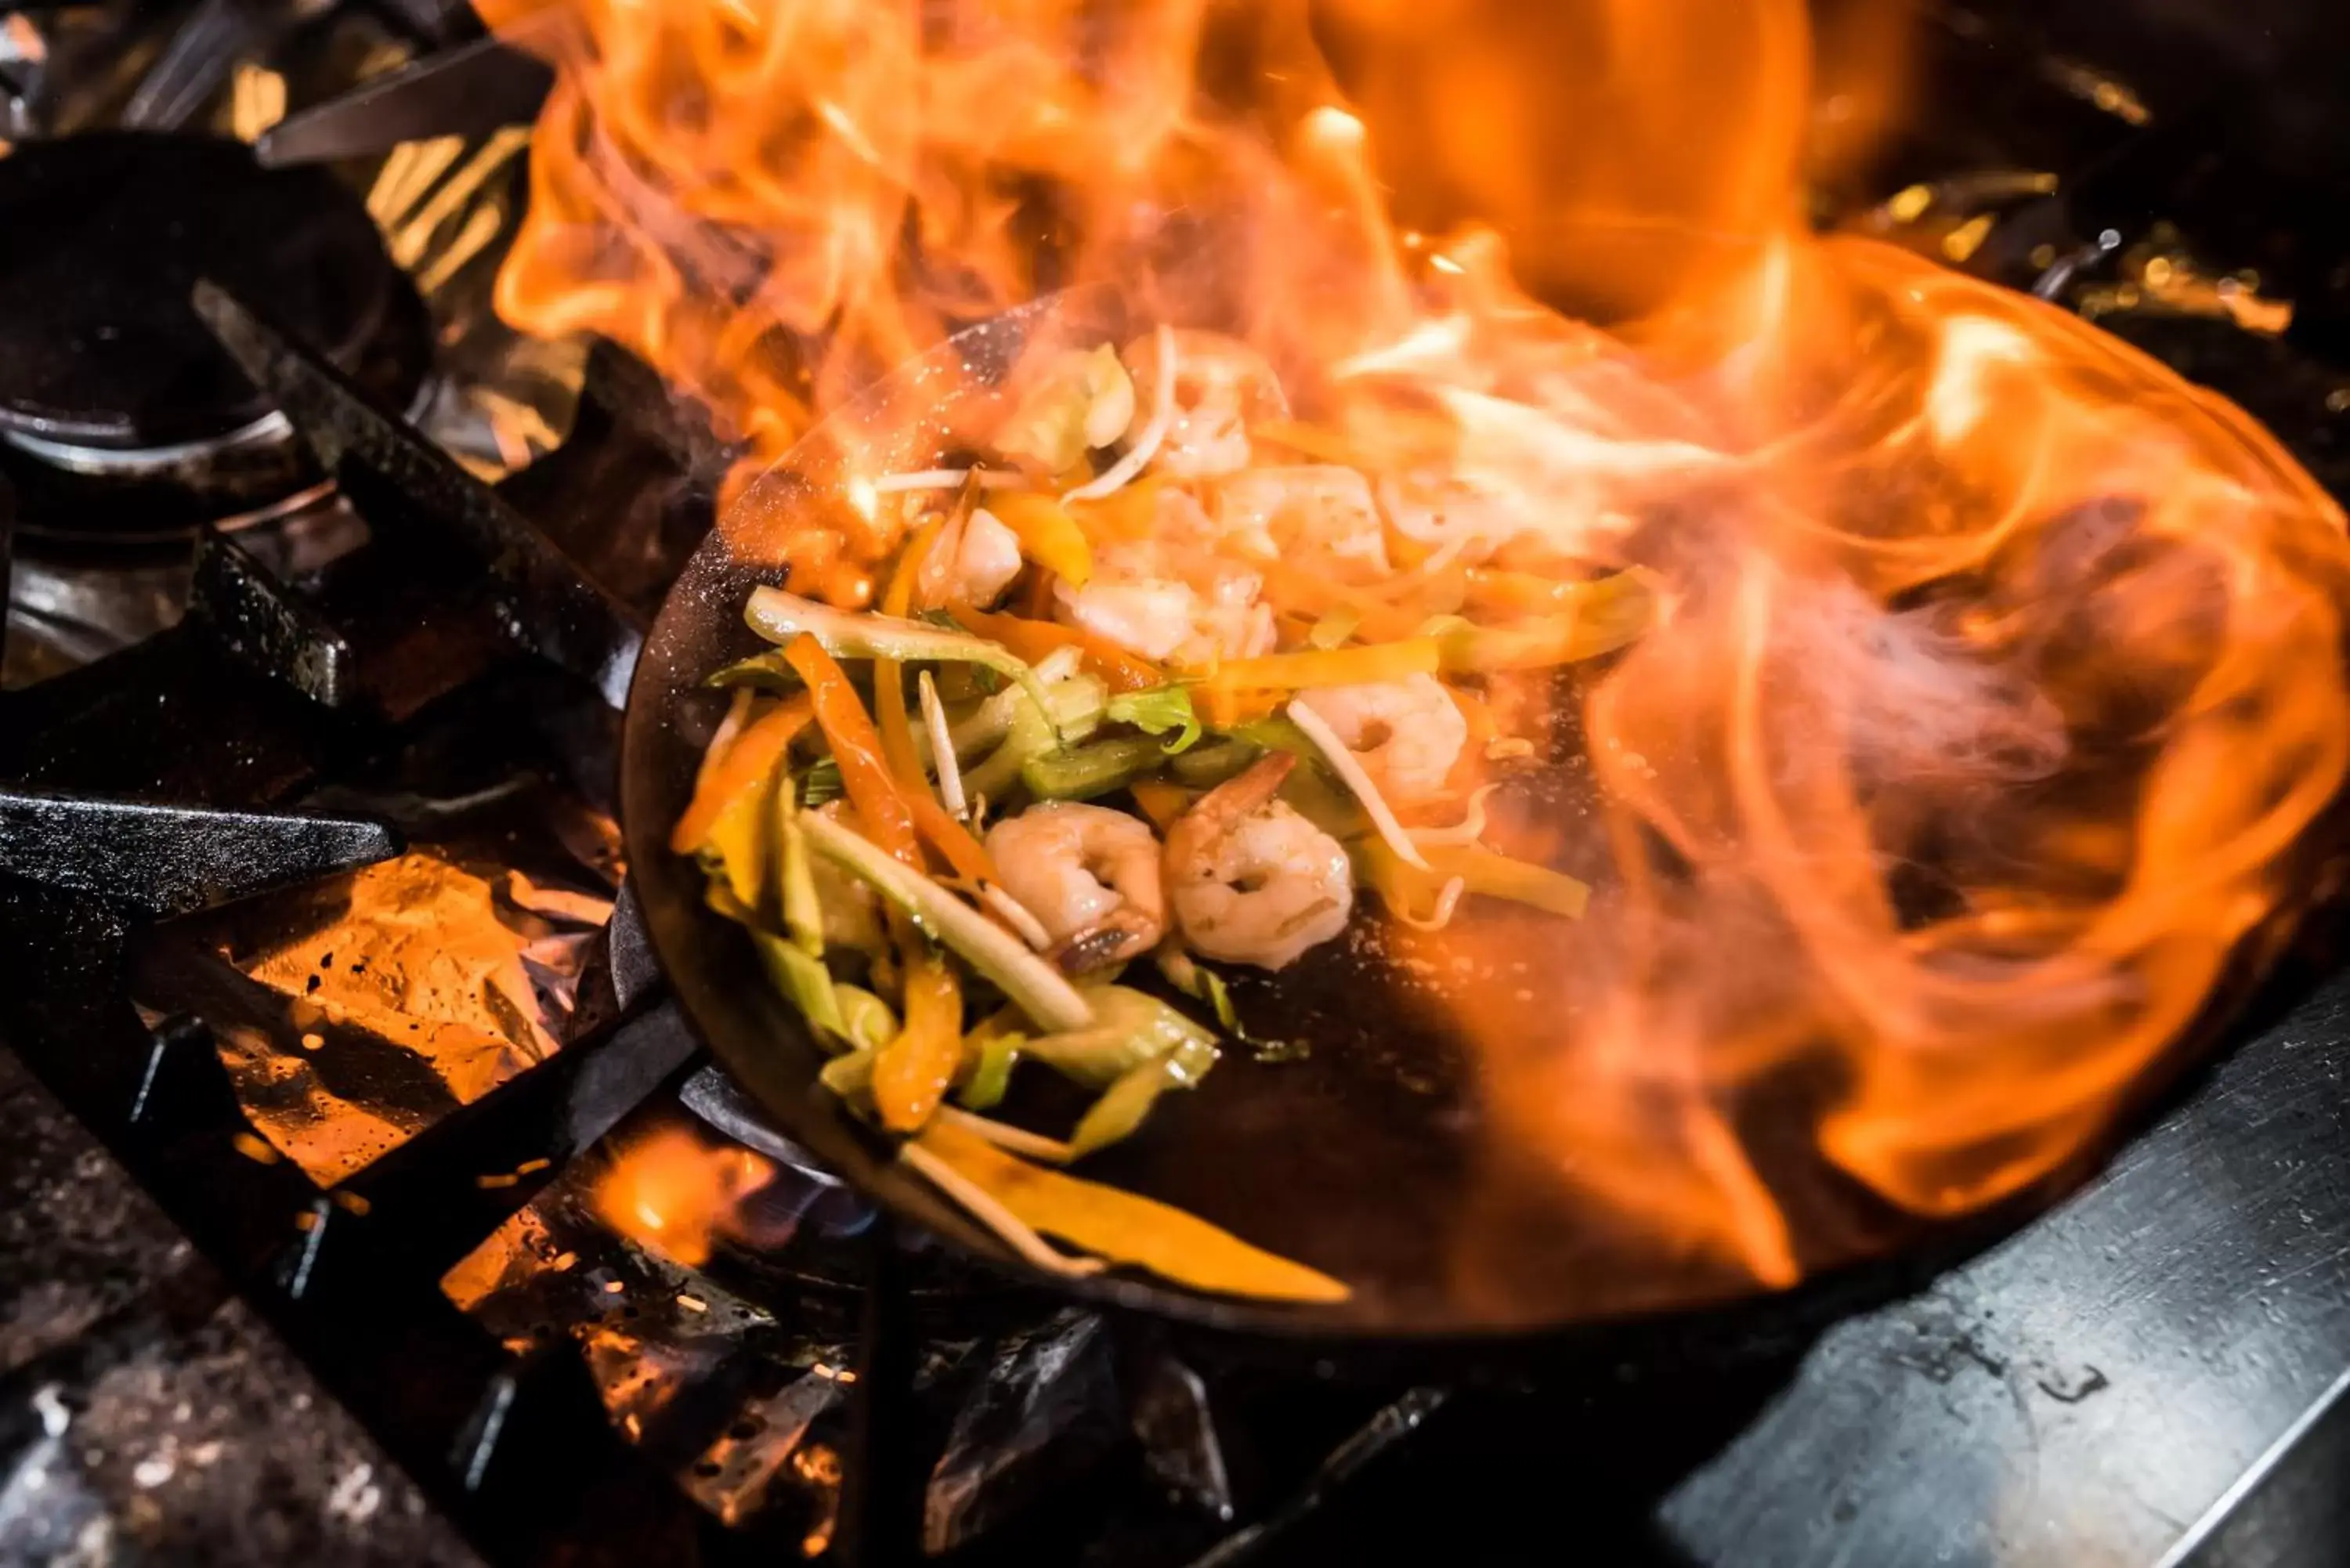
x=121 y=419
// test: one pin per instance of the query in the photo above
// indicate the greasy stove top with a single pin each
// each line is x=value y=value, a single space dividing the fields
x=306 y=1257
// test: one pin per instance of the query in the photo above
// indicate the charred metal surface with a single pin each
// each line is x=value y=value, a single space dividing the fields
x=397 y=480
x=177 y=717
x=469 y=90
x=433 y=1199
x=489 y=1437
x=166 y=860
x=416 y=618
x=172 y=860
x=264 y=623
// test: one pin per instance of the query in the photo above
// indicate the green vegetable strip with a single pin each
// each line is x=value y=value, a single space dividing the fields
x=805 y=984
x=803 y=916
x=1122 y=1108
x=870 y=1023
x=1084 y=771
x=1211 y=765
x=779 y=616
x=1035 y=986
x=1156 y=711
x=849 y=1077
x=992 y=1076
x=1130 y=1027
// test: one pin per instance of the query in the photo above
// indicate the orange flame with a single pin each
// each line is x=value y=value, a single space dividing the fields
x=2001 y=678
x=676 y=1195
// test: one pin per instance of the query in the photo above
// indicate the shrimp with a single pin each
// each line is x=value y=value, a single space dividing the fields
x=1165 y=600
x=973 y=562
x=1251 y=881
x=1406 y=733
x=1320 y=516
x=1221 y=385
x=1089 y=875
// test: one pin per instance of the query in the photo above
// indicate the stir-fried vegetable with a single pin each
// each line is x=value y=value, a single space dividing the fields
x=1033 y=985
x=896 y=813
x=1033 y=639
x=1184 y=799
x=1083 y=400
x=1125 y=1228
x=1127 y=1028
x=913 y=1072
x=781 y=618
x=1048 y=535
x=1156 y=711
x=744 y=767
x=1082 y=772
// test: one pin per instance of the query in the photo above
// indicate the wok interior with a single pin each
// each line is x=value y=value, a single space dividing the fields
x=1362 y=1150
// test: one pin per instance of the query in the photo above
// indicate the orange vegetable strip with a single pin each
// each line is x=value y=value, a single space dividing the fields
x=890 y=715
x=1048 y=534
x=1310 y=440
x=1031 y=640
x=911 y=1073
x=1130 y=513
x=1301 y=590
x=881 y=809
x=1124 y=1225
x=1330 y=667
x=1220 y=708
x=745 y=765
x=1530 y=591
x=1161 y=802
x=894 y=732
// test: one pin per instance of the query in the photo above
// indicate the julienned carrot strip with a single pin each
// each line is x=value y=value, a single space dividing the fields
x=881 y=809
x=889 y=717
x=1032 y=639
x=913 y=1072
x=745 y=765
x=951 y=838
x=1225 y=708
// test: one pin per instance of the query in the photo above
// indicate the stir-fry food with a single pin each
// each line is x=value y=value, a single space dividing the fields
x=1161 y=679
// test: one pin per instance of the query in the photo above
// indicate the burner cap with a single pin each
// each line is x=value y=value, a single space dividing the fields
x=101 y=237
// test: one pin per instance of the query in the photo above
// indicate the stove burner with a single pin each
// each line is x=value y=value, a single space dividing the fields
x=105 y=233
x=121 y=416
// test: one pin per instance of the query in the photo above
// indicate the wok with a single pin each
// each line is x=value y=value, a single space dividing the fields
x=1365 y=1160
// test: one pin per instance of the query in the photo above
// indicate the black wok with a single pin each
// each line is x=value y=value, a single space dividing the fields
x=1365 y=1160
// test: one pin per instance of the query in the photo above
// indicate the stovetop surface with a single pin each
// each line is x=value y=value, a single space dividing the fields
x=2150 y=1373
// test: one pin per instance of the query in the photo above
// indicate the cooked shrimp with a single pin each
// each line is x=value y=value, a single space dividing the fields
x=1168 y=601
x=1320 y=516
x=1406 y=733
x=1221 y=385
x=1088 y=875
x=974 y=562
x=1249 y=879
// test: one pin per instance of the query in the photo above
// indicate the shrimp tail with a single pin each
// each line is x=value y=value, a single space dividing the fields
x=1246 y=791
x=1124 y=934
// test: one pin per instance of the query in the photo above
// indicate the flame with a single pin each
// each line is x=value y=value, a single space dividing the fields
x=677 y=1194
x=1999 y=680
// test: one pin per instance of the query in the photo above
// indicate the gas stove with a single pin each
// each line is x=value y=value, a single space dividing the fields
x=368 y=1201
